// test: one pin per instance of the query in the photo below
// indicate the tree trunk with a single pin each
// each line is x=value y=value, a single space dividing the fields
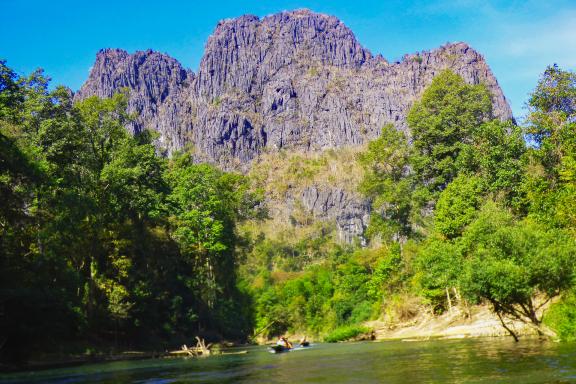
x=510 y=331
x=457 y=294
x=542 y=330
x=449 y=300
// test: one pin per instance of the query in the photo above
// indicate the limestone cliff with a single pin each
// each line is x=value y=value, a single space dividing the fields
x=298 y=81
x=157 y=85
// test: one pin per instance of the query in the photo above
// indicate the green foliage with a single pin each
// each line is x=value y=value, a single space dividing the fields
x=135 y=181
x=510 y=263
x=36 y=297
x=345 y=287
x=387 y=269
x=551 y=122
x=345 y=333
x=497 y=155
x=451 y=135
x=386 y=167
x=562 y=317
x=102 y=238
x=438 y=267
x=550 y=186
x=477 y=180
x=457 y=205
x=442 y=123
x=295 y=304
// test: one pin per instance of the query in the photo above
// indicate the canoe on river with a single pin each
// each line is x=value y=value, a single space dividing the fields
x=279 y=349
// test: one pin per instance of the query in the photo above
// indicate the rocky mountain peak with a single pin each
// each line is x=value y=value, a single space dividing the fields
x=245 y=52
x=150 y=73
x=296 y=81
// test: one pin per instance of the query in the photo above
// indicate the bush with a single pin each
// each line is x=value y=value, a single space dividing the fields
x=362 y=312
x=402 y=307
x=561 y=317
x=345 y=333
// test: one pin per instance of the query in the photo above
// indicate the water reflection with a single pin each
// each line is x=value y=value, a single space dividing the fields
x=459 y=361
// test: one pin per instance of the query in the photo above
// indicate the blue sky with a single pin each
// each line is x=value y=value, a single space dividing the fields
x=518 y=38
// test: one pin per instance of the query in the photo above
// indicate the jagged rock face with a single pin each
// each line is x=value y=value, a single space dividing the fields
x=351 y=212
x=295 y=80
x=299 y=80
x=244 y=54
x=156 y=83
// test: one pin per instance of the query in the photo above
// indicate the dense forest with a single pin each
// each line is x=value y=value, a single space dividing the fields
x=468 y=210
x=107 y=243
x=103 y=239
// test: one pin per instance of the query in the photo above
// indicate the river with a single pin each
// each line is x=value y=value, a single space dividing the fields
x=441 y=361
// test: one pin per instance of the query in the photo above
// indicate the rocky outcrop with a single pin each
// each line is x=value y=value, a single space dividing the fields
x=350 y=212
x=157 y=86
x=295 y=80
x=246 y=53
x=458 y=323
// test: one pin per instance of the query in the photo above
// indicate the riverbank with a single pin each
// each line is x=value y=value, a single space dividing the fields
x=476 y=321
x=460 y=322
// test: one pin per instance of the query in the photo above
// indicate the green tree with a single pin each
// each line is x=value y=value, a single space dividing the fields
x=101 y=236
x=442 y=122
x=516 y=266
x=36 y=287
x=388 y=183
x=562 y=317
x=438 y=268
x=550 y=185
x=552 y=110
x=205 y=205
x=458 y=204
x=497 y=155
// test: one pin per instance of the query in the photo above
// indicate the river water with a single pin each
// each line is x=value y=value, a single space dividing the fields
x=441 y=361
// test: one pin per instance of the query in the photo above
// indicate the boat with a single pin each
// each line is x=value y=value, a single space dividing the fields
x=279 y=348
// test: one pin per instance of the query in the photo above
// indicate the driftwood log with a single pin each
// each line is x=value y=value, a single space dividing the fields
x=201 y=345
x=201 y=349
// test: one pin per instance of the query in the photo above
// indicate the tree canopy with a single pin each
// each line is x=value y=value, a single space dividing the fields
x=101 y=237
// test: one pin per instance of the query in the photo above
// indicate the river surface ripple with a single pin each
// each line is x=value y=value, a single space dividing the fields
x=498 y=360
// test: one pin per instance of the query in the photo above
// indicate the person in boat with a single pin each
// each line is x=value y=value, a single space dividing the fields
x=283 y=341
x=304 y=342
